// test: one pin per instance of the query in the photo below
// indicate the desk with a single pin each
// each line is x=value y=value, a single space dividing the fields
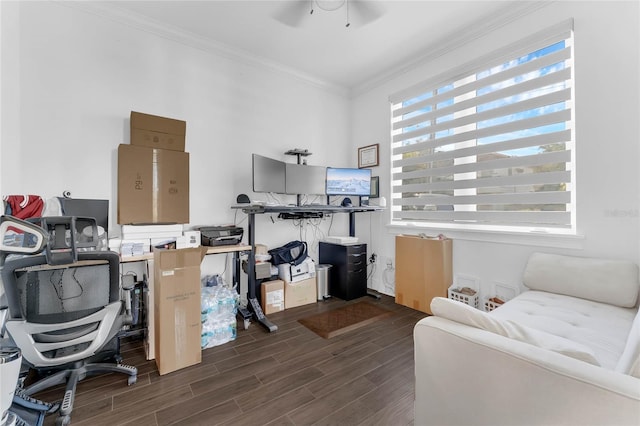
x=252 y=210
x=235 y=249
x=148 y=259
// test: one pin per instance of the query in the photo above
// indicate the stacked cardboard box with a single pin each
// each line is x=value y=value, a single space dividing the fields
x=153 y=172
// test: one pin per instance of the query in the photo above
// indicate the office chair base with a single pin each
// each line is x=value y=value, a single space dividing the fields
x=71 y=377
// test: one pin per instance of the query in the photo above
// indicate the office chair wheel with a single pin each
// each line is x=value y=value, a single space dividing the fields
x=131 y=380
x=246 y=324
x=63 y=420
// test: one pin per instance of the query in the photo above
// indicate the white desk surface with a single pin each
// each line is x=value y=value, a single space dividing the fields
x=210 y=250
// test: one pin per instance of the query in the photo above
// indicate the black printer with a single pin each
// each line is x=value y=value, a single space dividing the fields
x=220 y=235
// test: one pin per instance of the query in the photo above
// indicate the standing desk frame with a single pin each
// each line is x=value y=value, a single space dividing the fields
x=252 y=210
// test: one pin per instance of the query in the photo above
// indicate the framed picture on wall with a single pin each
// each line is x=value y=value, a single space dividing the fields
x=375 y=187
x=368 y=156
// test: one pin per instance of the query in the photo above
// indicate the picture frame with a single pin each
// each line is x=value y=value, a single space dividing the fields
x=368 y=156
x=375 y=187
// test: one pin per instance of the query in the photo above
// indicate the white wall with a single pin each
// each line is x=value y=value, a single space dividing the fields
x=607 y=135
x=70 y=79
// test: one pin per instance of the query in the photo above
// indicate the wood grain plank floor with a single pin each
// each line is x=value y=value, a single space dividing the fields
x=290 y=377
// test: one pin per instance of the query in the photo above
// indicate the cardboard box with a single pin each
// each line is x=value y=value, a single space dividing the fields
x=423 y=270
x=261 y=269
x=157 y=132
x=153 y=185
x=177 y=308
x=300 y=293
x=272 y=293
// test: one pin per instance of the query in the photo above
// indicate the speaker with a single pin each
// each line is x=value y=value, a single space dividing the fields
x=243 y=199
x=346 y=202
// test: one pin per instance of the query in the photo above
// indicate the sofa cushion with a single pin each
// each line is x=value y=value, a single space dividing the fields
x=608 y=281
x=602 y=327
x=629 y=362
x=465 y=314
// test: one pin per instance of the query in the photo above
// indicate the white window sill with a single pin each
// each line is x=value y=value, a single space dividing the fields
x=533 y=238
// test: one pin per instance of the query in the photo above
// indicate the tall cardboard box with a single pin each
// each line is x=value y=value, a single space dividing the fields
x=423 y=270
x=158 y=132
x=153 y=185
x=300 y=293
x=176 y=301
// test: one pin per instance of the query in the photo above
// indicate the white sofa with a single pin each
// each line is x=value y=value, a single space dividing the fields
x=565 y=352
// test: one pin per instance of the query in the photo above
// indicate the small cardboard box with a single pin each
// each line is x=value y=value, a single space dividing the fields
x=158 y=132
x=153 y=185
x=261 y=269
x=300 y=293
x=272 y=293
x=177 y=308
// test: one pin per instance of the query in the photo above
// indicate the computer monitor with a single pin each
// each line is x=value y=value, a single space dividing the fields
x=343 y=181
x=303 y=179
x=268 y=175
x=98 y=209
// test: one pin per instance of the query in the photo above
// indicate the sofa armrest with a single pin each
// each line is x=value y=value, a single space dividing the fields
x=465 y=375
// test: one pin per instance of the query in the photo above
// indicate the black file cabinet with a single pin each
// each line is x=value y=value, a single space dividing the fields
x=348 y=276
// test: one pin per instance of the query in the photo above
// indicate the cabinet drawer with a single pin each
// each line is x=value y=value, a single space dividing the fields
x=356 y=259
x=357 y=276
x=356 y=249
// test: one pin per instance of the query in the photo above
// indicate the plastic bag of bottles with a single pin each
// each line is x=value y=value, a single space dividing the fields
x=219 y=306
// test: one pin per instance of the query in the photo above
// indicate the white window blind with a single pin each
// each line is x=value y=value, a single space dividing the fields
x=490 y=144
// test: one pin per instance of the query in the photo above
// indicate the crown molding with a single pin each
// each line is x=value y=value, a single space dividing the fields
x=445 y=45
x=451 y=42
x=139 y=22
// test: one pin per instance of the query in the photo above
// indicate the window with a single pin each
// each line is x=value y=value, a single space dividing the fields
x=490 y=145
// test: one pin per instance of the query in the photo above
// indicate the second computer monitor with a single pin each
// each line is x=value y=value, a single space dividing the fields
x=303 y=179
x=345 y=181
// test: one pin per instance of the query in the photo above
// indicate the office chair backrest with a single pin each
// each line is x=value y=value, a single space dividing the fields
x=62 y=314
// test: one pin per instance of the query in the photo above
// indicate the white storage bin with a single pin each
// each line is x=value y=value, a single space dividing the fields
x=491 y=304
x=456 y=294
x=465 y=282
x=502 y=292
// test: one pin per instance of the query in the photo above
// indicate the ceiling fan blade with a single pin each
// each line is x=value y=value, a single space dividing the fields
x=293 y=12
x=366 y=11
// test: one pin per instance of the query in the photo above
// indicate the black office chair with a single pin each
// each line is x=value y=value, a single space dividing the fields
x=65 y=310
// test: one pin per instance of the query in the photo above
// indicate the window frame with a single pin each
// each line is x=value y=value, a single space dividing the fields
x=526 y=46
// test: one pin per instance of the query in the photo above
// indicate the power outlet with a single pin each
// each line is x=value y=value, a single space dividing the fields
x=373 y=258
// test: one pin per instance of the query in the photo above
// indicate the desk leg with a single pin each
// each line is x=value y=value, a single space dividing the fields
x=242 y=312
x=260 y=317
x=252 y=299
x=352 y=224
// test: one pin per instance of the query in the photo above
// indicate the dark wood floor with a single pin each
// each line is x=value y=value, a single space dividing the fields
x=290 y=377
